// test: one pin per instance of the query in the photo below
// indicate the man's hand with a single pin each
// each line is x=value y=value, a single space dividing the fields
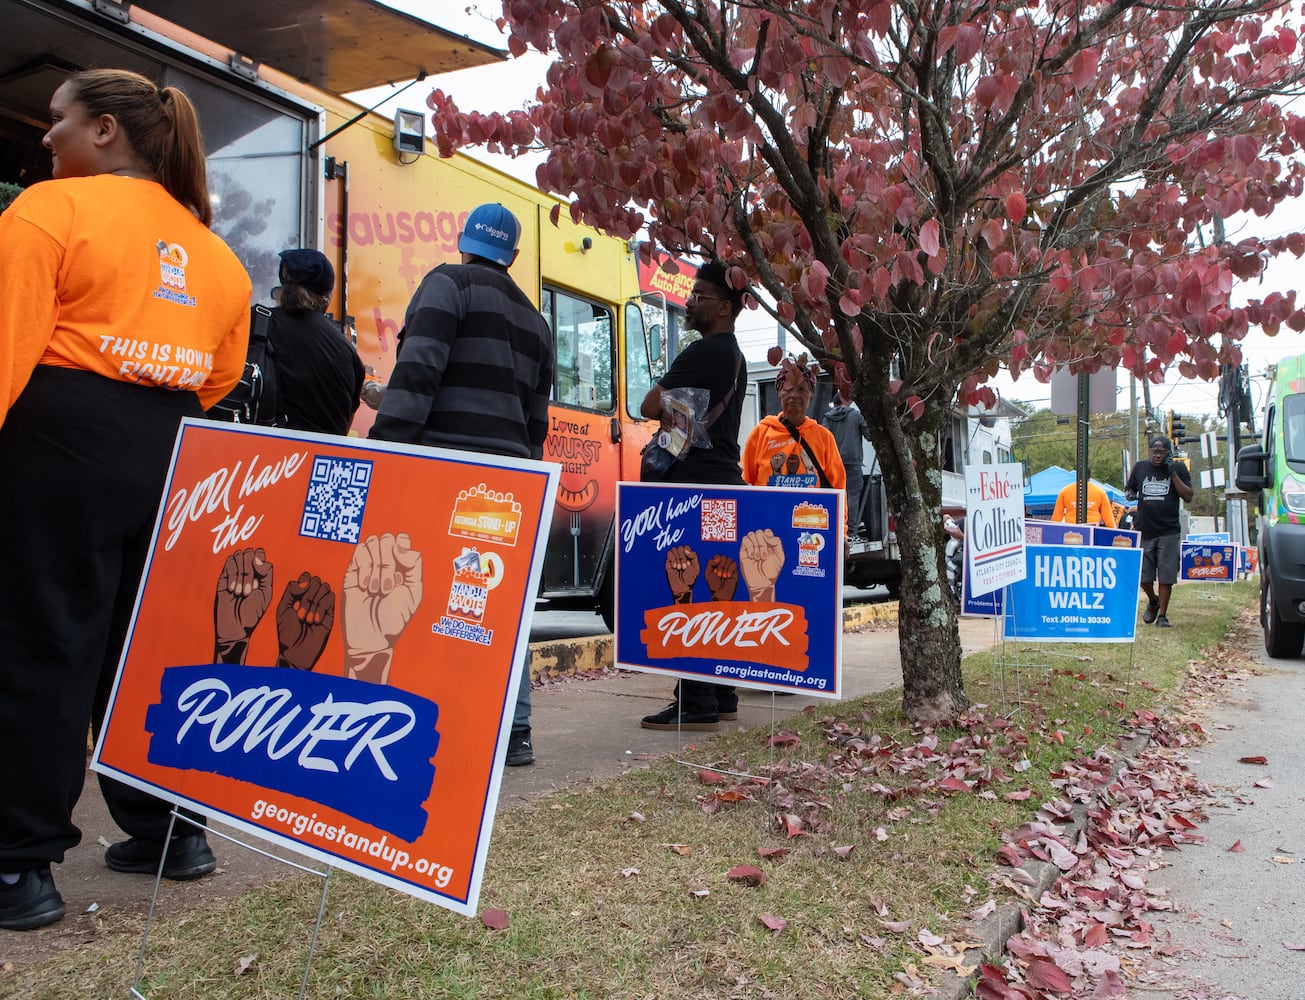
x=304 y=617
x=722 y=577
x=762 y=557
x=681 y=573
x=382 y=588
x=244 y=592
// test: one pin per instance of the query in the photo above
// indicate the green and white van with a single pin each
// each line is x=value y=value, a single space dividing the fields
x=1275 y=469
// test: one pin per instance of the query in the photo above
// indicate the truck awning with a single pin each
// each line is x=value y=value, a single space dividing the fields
x=335 y=45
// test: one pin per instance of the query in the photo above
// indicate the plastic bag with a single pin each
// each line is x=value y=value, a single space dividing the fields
x=687 y=408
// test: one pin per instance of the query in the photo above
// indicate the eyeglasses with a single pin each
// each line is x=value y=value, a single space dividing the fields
x=695 y=297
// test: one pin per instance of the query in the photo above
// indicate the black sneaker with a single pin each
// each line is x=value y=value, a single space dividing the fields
x=188 y=856
x=31 y=902
x=519 y=750
x=670 y=718
x=1161 y=621
x=727 y=711
x=1152 y=609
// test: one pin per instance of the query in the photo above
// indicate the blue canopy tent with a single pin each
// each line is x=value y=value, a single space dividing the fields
x=1045 y=486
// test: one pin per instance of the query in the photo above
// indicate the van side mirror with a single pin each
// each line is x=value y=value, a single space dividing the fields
x=1252 y=475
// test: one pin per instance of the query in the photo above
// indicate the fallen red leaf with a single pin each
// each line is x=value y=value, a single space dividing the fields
x=750 y=874
x=1237 y=848
x=711 y=777
x=1045 y=975
x=495 y=920
x=1293 y=947
x=1019 y=796
x=845 y=852
x=1258 y=759
x=784 y=740
x=772 y=922
x=772 y=852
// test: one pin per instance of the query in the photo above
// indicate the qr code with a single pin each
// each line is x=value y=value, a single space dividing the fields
x=337 y=496
x=720 y=520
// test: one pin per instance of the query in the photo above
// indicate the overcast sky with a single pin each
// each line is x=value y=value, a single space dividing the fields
x=507 y=86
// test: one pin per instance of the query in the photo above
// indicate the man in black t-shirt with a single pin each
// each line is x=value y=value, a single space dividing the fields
x=1156 y=486
x=713 y=363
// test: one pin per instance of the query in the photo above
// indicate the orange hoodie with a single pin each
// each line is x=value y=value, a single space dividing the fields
x=771 y=457
x=112 y=275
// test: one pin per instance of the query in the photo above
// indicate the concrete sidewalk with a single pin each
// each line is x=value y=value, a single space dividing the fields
x=590 y=728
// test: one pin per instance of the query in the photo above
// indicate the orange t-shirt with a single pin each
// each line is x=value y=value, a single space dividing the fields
x=113 y=275
x=1099 y=508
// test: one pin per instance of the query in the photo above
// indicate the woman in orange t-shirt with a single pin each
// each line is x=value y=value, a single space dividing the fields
x=111 y=278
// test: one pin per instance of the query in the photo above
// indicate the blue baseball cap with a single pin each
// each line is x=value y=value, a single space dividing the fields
x=491 y=232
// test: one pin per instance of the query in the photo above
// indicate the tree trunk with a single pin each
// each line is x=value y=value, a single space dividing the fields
x=927 y=624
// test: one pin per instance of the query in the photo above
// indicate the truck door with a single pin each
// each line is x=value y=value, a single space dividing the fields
x=583 y=438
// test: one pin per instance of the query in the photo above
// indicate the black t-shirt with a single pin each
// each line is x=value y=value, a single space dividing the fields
x=712 y=363
x=319 y=375
x=1157 y=500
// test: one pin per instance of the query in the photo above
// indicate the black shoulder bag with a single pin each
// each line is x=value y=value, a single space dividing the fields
x=655 y=461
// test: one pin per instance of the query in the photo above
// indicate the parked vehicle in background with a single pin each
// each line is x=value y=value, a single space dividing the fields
x=1275 y=470
x=971 y=436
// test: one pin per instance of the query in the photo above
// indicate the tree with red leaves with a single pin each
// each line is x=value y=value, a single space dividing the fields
x=929 y=193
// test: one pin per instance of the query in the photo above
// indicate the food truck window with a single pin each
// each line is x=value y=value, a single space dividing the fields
x=582 y=337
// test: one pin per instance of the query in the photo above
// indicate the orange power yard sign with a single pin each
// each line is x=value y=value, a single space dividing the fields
x=326 y=647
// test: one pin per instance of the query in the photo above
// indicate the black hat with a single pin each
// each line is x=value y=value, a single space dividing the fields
x=309 y=269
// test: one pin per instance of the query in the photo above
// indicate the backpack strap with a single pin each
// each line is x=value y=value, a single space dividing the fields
x=260 y=320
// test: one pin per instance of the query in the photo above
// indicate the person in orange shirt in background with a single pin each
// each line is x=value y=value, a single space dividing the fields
x=1099 y=509
x=121 y=314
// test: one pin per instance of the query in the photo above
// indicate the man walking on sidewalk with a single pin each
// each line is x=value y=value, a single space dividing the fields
x=475 y=372
x=1156 y=486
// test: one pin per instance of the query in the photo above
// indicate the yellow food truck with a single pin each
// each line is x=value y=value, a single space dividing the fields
x=293 y=163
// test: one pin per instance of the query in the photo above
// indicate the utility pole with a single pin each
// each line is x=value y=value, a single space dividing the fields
x=1081 y=448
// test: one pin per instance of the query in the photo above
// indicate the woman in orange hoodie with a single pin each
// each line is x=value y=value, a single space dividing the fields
x=121 y=314
x=791 y=449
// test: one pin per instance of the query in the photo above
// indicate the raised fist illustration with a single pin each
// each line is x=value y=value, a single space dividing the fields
x=304 y=617
x=244 y=592
x=681 y=572
x=382 y=588
x=762 y=557
x=722 y=577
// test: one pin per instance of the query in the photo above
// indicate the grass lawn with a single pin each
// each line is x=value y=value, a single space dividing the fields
x=862 y=843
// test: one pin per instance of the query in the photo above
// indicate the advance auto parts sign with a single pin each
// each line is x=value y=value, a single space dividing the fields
x=297 y=659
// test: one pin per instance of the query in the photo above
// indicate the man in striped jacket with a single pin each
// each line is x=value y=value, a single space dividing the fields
x=474 y=371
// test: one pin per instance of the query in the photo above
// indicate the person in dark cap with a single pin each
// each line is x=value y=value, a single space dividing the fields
x=1156 y=488
x=474 y=371
x=319 y=376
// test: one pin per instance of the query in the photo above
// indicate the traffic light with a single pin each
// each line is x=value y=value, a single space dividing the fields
x=1176 y=430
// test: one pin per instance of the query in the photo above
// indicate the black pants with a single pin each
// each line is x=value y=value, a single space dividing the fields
x=704 y=697
x=83 y=460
